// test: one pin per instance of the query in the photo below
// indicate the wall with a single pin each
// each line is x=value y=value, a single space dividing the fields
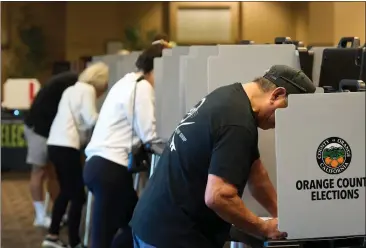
x=321 y=23
x=50 y=16
x=300 y=15
x=329 y=21
x=233 y=7
x=91 y=25
x=315 y=23
x=75 y=29
x=263 y=21
x=349 y=20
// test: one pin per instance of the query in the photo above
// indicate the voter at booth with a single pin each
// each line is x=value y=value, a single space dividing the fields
x=194 y=196
x=127 y=119
x=69 y=133
x=37 y=126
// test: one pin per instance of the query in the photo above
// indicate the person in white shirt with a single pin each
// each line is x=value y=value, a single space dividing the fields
x=105 y=173
x=70 y=131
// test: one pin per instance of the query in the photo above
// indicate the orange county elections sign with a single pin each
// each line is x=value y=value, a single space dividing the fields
x=333 y=157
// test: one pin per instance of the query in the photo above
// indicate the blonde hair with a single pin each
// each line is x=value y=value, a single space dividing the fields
x=97 y=75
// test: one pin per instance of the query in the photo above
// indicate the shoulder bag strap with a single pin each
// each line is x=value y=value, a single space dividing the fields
x=133 y=110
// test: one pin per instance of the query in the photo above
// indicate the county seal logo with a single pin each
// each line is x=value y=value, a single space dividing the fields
x=334 y=155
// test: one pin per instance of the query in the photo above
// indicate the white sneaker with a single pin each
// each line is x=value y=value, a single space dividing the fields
x=45 y=222
x=64 y=221
x=53 y=243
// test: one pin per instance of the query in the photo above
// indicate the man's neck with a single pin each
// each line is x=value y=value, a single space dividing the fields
x=254 y=94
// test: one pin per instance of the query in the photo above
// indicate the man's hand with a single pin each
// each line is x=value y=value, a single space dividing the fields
x=270 y=230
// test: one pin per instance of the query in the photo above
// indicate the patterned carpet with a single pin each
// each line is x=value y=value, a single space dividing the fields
x=17 y=214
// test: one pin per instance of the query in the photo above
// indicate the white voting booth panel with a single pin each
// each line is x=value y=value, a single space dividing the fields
x=159 y=94
x=237 y=63
x=119 y=65
x=159 y=91
x=320 y=151
x=126 y=64
x=171 y=89
x=167 y=52
x=193 y=75
x=168 y=104
x=111 y=62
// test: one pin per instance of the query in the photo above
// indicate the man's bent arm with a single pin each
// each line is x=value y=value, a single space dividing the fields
x=223 y=198
x=262 y=188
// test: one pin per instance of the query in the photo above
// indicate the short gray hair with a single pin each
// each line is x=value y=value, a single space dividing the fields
x=97 y=75
x=265 y=84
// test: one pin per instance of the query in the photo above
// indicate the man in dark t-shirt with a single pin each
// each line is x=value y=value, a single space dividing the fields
x=194 y=195
x=36 y=129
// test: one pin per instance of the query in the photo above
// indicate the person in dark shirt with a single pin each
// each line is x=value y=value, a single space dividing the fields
x=194 y=196
x=37 y=127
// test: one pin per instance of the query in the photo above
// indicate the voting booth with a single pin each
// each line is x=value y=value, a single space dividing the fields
x=184 y=75
x=320 y=152
x=321 y=173
x=202 y=72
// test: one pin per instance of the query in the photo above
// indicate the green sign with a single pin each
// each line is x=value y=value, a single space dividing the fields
x=12 y=135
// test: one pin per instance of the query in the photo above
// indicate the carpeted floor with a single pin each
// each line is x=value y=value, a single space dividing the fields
x=17 y=214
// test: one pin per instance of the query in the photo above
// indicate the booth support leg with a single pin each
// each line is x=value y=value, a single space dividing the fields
x=152 y=167
x=46 y=203
x=87 y=218
x=237 y=245
x=136 y=181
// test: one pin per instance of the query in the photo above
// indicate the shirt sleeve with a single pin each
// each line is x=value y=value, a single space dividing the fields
x=234 y=151
x=65 y=80
x=89 y=109
x=145 y=122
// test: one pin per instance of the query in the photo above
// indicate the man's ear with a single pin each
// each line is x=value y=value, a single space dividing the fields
x=279 y=92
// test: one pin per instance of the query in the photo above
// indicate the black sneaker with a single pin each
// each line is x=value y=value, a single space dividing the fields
x=53 y=243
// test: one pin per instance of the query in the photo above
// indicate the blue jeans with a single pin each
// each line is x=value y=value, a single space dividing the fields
x=138 y=243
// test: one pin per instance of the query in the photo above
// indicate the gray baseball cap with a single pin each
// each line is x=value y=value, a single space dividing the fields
x=293 y=80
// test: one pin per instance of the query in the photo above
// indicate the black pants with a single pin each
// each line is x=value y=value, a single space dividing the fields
x=114 y=202
x=67 y=162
